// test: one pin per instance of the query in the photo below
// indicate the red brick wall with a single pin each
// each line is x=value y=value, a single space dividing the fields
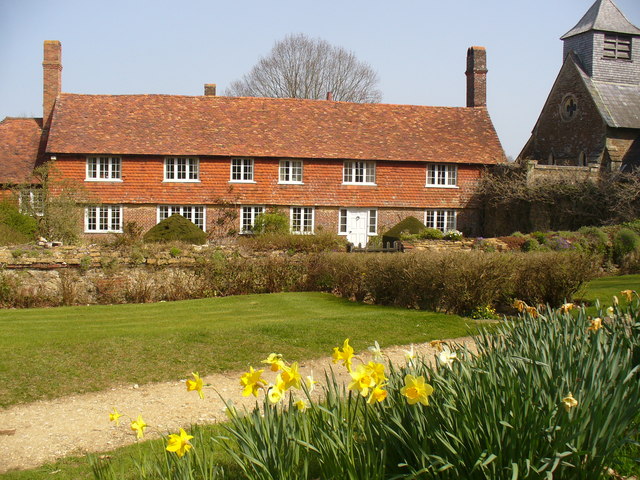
x=399 y=185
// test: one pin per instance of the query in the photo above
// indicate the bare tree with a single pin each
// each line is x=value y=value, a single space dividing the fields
x=302 y=67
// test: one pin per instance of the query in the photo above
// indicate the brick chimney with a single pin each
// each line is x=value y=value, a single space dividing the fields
x=210 y=89
x=476 y=77
x=52 y=74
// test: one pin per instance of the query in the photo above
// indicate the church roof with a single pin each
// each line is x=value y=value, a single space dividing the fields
x=619 y=104
x=271 y=127
x=604 y=16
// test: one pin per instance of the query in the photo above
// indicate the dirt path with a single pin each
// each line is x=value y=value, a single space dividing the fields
x=78 y=424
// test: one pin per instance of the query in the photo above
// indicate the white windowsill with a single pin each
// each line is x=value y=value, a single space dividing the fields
x=290 y=183
x=428 y=185
x=180 y=181
x=364 y=184
x=108 y=180
x=242 y=181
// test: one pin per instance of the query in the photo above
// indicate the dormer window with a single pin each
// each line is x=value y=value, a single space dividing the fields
x=617 y=46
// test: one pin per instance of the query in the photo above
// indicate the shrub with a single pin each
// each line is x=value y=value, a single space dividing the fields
x=320 y=242
x=175 y=252
x=131 y=234
x=625 y=241
x=530 y=245
x=176 y=227
x=271 y=223
x=430 y=234
x=11 y=218
x=9 y=236
x=410 y=225
x=453 y=235
x=594 y=240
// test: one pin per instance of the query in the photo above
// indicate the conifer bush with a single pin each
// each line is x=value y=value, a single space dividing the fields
x=176 y=228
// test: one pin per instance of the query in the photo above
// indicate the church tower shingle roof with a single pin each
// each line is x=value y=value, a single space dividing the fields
x=603 y=16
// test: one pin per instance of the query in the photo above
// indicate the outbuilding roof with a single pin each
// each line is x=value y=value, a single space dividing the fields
x=20 y=148
x=270 y=127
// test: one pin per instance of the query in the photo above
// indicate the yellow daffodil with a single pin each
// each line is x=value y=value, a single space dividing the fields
x=276 y=392
x=362 y=380
x=532 y=311
x=615 y=300
x=138 y=426
x=291 y=376
x=596 y=324
x=569 y=402
x=252 y=381
x=610 y=311
x=437 y=344
x=179 y=443
x=447 y=357
x=376 y=352
x=378 y=394
x=416 y=390
x=566 y=307
x=301 y=405
x=345 y=356
x=275 y=361
x=195 y=384
x=628 y=294
x=519 y=305
x=115 y=416
x=310 y=382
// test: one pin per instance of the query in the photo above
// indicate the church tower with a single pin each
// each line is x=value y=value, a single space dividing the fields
x=606 y=43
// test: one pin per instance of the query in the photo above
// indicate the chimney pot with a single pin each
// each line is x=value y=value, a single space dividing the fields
x=210 y=89
x=330 y=96
x=476 y=77
x=52 y=78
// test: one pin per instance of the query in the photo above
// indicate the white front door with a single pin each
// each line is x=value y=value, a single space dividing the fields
x=357 y=226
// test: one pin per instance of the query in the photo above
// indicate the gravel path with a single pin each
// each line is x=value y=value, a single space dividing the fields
x=41 y=432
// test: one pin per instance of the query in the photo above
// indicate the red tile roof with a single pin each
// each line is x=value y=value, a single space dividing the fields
x=19 y=149
x=268 y=127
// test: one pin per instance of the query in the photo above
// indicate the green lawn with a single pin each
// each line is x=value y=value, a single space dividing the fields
x=54 y=352
x=207 y=335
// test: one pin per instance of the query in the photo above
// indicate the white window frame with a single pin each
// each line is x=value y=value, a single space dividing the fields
x=97 y=214
x=252 y=212
x=359 y=173
x=342 y=222
x=442 y=175
x=290 y=172
x=242 y=170
x=302 y=220
x=372 y=222
x=182 y=169
x=31 y=201
x=443 y=219
x=195 y=213
x=103 y=169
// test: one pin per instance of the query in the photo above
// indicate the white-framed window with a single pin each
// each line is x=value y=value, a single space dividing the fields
x=32 y=201
x=194 y=213
x=373 y=222
x=104 y=169
x=342 y=225
x=440 y=175
x=359 y=173
x=181 y=169
x=242 y=170
x=617 y=46
x=290 y=171
x=302 y=219
x=248 y=217
x=443 y=220
x=103 y=219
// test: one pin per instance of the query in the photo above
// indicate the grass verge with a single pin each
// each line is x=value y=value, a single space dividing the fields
x=49 y=353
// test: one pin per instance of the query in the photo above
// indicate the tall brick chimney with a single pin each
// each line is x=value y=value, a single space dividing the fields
x=210 y=89
x=476 y=77
x=52 y=71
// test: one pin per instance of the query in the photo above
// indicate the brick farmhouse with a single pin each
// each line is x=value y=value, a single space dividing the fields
x=354 y=169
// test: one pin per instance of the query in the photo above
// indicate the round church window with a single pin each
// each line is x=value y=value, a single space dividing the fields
x=569 y=107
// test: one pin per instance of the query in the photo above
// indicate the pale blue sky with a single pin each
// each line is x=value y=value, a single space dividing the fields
x=418 y=47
